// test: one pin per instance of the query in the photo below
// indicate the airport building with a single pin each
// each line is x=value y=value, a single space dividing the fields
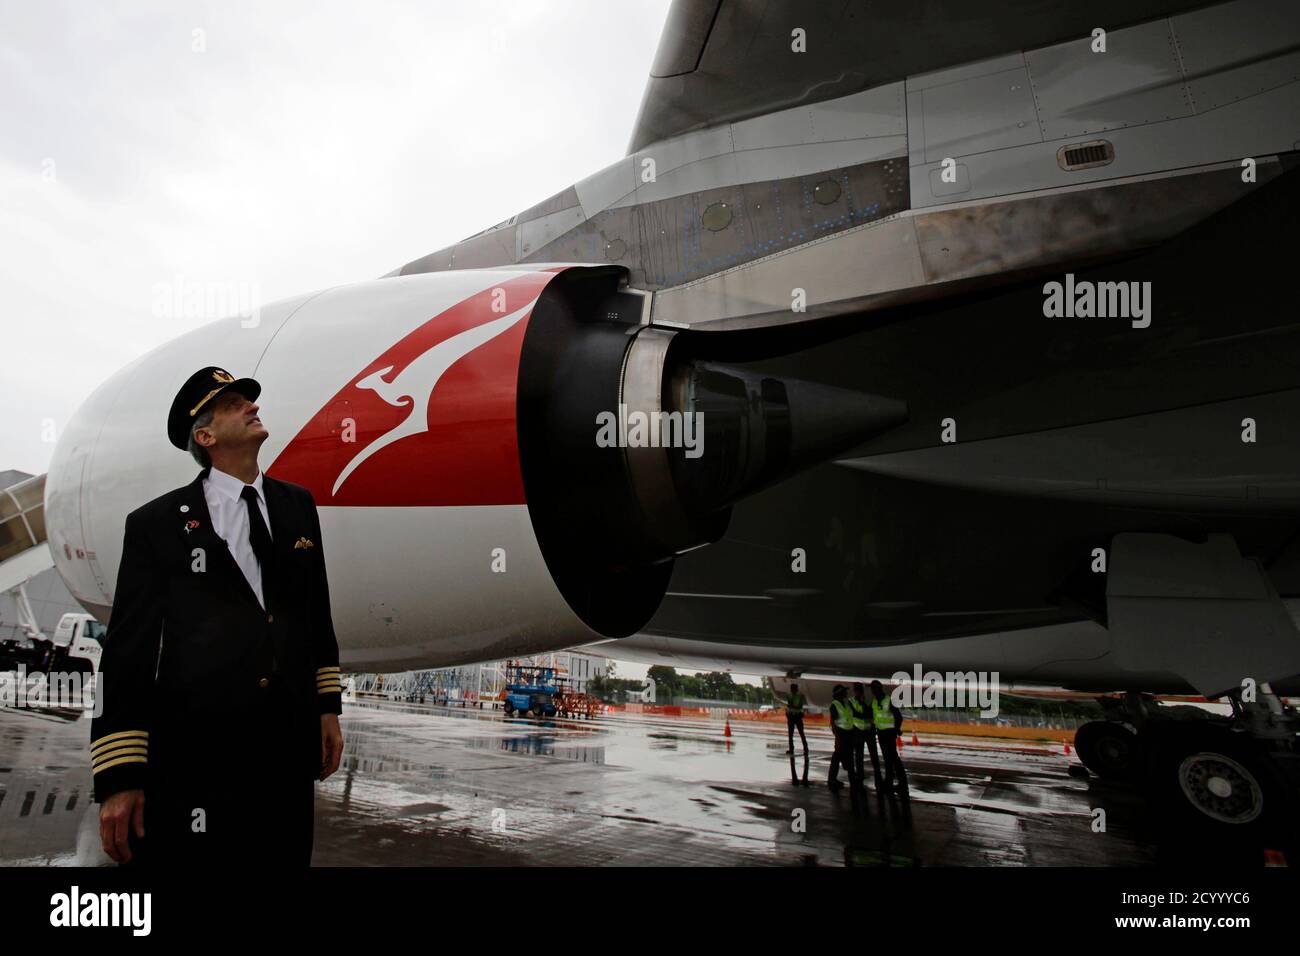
x=475 y=682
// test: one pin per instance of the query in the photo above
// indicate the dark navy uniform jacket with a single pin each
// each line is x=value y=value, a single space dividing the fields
x=190 y=654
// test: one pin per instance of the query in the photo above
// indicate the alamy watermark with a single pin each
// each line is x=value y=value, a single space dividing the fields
x=127 y=910
x=638 y=429
x=954 y=689
x=73 y=690
x=1086 y=299
x=191 y=299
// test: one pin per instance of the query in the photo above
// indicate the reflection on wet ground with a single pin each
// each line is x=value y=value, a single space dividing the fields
x=423 y=785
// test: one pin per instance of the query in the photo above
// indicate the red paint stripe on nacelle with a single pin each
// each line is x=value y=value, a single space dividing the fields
x=469 y=452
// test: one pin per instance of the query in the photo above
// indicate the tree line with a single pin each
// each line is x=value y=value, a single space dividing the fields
x=715 y=685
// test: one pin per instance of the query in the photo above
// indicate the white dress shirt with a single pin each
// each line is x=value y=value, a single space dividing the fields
x=230 y=520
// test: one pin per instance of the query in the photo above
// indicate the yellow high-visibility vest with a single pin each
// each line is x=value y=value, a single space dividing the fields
x=859 y=714
x=883 y=713
x=841 y=714
x=794 y=704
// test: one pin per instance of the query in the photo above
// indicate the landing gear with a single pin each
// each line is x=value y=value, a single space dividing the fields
x=1109 y=749
x=1230 y=780
x=1235 y=778
x=1221 y=788
x=1217 y=781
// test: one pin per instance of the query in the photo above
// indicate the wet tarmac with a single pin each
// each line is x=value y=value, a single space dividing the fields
x=421 y=785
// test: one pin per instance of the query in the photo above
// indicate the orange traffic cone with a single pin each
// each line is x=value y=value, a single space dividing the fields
x=726 y=731
x=915 y=742
x=1067 y=748
x=899 y=741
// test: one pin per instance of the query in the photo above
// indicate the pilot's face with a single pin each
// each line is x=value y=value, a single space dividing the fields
x=235 y=422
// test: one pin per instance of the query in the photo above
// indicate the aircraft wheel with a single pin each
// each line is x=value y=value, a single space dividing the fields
x=1221 y=787
x=1220 y=784
x=1109 y=749
x=510 y=709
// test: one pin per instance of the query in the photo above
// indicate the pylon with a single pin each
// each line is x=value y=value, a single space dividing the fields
x=899 y=741
x=1067 y=748
x=915 y=742
x=726 y=730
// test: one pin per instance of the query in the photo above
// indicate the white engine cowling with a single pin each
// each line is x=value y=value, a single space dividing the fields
x=446 y=424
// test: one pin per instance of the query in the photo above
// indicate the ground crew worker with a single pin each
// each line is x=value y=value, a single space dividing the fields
x=862 y=710
x=210 y=738
x=889 y=724
x=857 y=736
x=842 y=729
x=794 y=718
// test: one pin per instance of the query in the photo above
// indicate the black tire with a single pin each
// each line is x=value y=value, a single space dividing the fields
x=510 y=709
x=1109 y=749
x=1214 y=782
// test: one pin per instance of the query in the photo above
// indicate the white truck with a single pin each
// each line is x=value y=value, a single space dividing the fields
x=75 y=646
x=78 y=641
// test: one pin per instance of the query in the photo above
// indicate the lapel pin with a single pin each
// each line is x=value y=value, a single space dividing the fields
x=190 y=525
x=184 y=508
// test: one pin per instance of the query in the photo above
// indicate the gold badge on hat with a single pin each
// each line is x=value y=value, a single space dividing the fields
x=225 y=378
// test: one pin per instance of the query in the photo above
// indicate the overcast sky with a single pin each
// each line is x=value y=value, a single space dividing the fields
x=288 y=146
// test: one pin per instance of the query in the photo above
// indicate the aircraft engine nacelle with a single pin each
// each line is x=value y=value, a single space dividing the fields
x=504 y=461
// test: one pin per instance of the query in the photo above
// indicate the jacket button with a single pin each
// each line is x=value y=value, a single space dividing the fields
x=264 y=682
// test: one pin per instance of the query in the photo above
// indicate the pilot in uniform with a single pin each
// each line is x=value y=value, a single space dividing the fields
x=219 y=682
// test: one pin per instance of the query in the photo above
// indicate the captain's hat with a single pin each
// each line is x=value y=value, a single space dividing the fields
x=198 y=392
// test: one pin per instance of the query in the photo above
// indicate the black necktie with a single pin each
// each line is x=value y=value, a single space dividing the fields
x=258 y=536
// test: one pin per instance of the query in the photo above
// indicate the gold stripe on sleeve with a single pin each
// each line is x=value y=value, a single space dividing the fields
x=112 y=755
x=140 y=735
x=119 y=760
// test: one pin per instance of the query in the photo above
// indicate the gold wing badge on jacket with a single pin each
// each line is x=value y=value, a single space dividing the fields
x=304 y=543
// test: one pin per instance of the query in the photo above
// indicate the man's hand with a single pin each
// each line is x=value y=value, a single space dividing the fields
x=117 y=815
x=331 y=744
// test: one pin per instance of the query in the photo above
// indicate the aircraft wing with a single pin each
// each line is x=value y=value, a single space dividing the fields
x=909 y=199
x=725 y=60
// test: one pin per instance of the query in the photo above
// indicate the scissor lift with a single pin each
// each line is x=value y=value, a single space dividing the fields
x=530 y=689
